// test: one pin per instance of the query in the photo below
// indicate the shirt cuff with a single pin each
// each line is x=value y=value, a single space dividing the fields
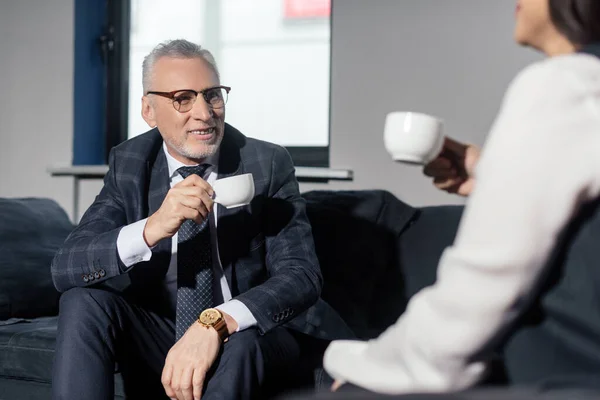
x=240 y=313
x=131 y=246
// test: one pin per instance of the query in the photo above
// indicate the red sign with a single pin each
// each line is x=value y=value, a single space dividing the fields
x=307 y=8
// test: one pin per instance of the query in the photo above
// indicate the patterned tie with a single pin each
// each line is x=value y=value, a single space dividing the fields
x=194 y=266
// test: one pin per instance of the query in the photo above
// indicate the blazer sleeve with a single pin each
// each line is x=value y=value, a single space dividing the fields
x=295 y=279
x=89 y=254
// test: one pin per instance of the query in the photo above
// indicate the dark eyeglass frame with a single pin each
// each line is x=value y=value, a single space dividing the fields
x=171 y=95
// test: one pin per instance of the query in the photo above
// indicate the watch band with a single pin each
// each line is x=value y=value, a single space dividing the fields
x=221 y=328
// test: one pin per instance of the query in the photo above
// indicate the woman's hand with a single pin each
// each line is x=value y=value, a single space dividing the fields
x=453 y=170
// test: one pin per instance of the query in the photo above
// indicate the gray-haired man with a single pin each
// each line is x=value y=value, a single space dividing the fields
x=171 y=288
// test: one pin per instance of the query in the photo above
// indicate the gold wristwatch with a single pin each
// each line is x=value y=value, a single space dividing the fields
x=212 y=318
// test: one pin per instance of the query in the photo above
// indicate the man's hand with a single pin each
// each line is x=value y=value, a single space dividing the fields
x=189 y=199
x=453 y=170
x=188 y=361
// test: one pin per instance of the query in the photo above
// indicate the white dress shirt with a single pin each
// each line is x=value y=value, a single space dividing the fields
x=132 y=249
x=541 y=162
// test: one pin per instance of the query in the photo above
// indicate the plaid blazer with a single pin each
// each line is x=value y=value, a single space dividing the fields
x=266 y=248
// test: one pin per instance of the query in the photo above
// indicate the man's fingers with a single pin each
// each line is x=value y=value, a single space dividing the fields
x=176 y=383
x=197 y=215
x=194 y=191
x=166 y=380
x=190 y=196
x=195 y=207
x=186 y=384
x=194 y=180
x=203 y=205
x=207 y=200
x=198 y=383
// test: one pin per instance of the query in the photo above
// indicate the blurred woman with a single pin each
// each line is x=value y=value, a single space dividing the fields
x=540 y=165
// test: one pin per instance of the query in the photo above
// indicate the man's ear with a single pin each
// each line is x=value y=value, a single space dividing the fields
x=148 y=112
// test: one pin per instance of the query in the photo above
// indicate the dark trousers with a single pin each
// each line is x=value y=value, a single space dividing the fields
x=99 y=331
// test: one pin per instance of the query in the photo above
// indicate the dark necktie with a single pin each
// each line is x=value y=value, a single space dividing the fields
x=194 y=266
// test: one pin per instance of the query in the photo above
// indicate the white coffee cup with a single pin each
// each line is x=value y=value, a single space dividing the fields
x=234 y=191
x=412 y=137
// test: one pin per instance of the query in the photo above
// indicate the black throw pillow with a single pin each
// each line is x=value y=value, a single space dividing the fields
x=31 y=231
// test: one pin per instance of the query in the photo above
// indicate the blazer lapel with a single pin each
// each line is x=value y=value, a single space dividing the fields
x=229 y=164
x=157 y=191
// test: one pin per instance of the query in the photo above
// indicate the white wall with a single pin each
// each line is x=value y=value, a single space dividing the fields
x=152 y=22
x=281 y=94
x=453 y=59
x=278 y=67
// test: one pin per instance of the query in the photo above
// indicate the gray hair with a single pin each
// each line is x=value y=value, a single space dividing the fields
x=179 y=48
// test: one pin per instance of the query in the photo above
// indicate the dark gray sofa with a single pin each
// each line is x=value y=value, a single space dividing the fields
x=357 y=240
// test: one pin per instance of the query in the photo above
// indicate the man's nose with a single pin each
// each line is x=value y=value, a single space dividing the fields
x=201 y=109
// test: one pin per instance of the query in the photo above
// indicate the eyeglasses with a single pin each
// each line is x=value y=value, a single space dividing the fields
x=183 y=100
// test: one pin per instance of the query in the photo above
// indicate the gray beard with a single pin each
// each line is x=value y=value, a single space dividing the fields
x=209 y=151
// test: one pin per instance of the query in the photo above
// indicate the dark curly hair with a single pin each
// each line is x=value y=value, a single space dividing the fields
x=578 y=20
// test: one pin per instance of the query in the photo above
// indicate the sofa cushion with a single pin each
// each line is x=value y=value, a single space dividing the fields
x=356 y=235
x=418 y=252
x=31 y=231
x=27 y=353
x=27 y=348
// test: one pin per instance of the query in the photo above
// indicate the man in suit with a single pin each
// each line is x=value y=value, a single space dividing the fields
x=168 y=286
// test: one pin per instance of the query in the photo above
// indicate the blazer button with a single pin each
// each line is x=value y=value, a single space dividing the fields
x=102 y=273
x=96 y=275
x=85 y=278
x=91 y=277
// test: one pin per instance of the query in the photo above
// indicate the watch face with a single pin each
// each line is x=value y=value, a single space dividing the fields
x=210 y=316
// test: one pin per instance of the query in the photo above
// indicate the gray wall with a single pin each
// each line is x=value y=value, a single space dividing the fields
x=36 y=96
x=450 y=58
x=453 y=59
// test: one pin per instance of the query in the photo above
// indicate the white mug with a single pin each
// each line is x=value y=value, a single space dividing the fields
x=234 y=191
x=412 y=137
